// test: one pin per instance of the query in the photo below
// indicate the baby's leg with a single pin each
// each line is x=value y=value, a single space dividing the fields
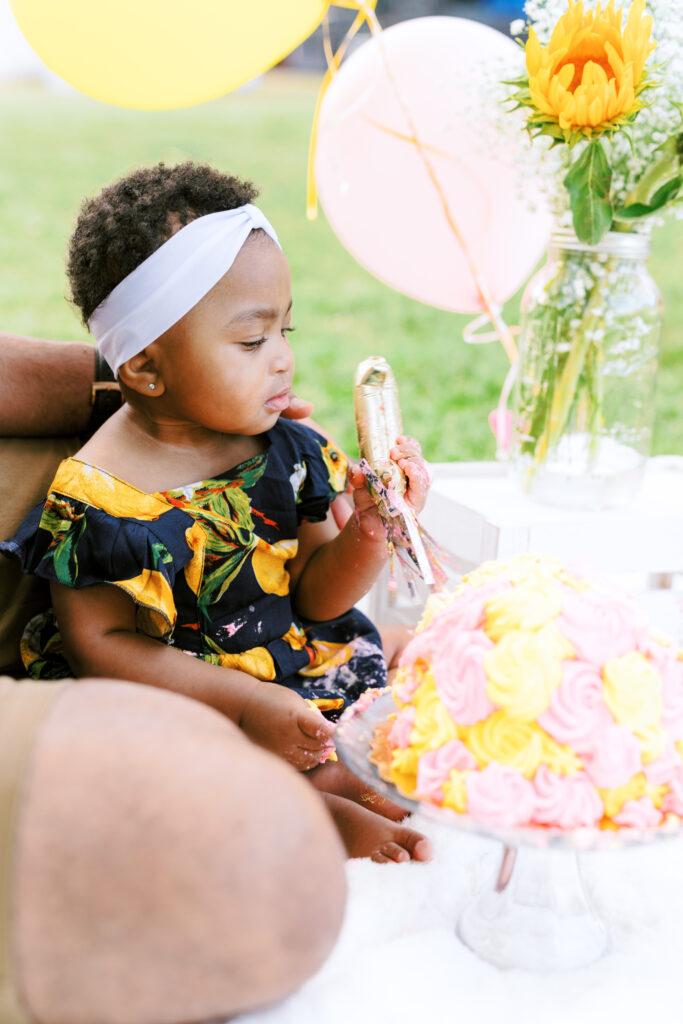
x=367 y=821
x=394 y=639
x=334 y=777
x=366 y=834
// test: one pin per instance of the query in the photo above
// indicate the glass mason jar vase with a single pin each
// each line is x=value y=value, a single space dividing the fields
x=584 y=394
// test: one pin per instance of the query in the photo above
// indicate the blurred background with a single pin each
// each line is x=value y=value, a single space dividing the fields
x=59 y=146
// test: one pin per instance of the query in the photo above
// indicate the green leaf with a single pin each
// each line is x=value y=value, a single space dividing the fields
x=666 y=192
x=588 y=183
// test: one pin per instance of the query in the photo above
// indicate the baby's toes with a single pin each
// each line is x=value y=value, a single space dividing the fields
x=405 y=845
x=417 y=845
x=390 y=852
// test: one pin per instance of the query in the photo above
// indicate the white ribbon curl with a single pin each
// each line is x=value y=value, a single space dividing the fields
x=171 y=281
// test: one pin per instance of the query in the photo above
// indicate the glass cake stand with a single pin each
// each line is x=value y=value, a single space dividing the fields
x=534 y=913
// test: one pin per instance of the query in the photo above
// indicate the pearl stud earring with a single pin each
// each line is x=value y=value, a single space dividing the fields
x=151 y=387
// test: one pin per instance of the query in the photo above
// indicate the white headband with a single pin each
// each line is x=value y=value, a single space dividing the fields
x=171 y=281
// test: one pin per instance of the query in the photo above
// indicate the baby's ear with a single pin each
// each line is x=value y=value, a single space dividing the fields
x=139 y=373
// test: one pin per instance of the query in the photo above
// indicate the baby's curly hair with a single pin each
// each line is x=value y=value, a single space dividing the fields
x=127 y=221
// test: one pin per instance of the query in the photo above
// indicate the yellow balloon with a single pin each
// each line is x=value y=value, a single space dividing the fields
x=162 y=54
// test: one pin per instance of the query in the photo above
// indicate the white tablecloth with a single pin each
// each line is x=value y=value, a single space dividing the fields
x=398 y=960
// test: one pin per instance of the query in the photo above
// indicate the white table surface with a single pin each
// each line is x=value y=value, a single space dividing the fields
x=477 y=511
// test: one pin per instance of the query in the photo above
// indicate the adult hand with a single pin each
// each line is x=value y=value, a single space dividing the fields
x=298 y=408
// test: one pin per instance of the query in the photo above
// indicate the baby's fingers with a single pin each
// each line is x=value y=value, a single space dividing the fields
x=417 y=473
x=315 y=726
x=303 y=759
x=356 y=478
x=406 y=447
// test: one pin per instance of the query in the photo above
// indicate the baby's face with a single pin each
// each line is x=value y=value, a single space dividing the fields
x=227 y=364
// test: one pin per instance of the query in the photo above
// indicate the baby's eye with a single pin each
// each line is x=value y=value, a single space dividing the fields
x=251 y=345
x=288 y=330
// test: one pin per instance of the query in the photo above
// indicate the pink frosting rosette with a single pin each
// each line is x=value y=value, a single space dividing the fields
x=399 y=734
x=663 y=770
x=673 y=801
x=577 y=711
x=567 y=801
x=405 y=689
x=436 y=766
x=468 y=610
x=671 y=670
x=500 y=796
x=614 y=760
x=640 y=813
x=460 y=676
x=600 y=626
x=419 y=648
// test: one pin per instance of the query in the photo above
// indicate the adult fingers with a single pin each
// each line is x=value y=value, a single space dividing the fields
x=298 y=408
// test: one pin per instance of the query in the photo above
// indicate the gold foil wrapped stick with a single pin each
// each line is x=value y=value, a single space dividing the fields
x=378 y=418
x=378 y=424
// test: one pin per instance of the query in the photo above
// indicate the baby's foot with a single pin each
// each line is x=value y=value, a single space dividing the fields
x=334 y=777
x=366 y=834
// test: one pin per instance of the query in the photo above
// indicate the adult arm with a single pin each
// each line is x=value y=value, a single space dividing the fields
x=45 y=386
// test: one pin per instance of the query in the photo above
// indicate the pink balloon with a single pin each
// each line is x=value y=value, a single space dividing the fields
x=374 y=186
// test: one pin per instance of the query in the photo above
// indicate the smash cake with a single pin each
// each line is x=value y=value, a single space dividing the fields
x=534 y=695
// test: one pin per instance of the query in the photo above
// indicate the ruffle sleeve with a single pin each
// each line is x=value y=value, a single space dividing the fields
x=319 y=470
x=79 y=545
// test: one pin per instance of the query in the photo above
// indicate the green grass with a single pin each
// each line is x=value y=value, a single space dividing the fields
x=59 y=148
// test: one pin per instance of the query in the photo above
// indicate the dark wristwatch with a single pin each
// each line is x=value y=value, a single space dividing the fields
x=105 y=394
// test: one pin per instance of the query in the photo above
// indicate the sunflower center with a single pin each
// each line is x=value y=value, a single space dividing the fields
x=580 y=62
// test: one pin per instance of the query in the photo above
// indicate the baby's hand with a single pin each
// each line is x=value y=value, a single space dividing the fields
x=407 y=454
x=366 y=512
x=281 y=721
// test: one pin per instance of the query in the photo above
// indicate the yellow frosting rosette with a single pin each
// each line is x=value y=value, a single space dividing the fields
x=433 y=726
x=524 y=668
x=633 y=692
x=527 y=607
x=510 y=741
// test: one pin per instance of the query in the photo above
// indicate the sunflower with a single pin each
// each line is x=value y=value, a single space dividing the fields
x=589 y=78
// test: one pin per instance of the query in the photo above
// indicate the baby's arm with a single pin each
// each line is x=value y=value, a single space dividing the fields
x=98 y=631
x=333 y=569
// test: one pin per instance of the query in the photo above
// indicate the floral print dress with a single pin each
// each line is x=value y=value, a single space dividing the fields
x=206 y=566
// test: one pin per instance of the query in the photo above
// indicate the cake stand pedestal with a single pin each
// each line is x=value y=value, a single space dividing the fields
x=534 y=912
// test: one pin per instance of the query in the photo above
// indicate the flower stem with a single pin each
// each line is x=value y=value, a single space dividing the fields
x=565 y=389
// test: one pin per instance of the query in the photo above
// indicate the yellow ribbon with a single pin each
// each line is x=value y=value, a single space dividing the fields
x=366 y=13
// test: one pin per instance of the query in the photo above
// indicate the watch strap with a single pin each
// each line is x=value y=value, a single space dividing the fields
x=105 y=394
